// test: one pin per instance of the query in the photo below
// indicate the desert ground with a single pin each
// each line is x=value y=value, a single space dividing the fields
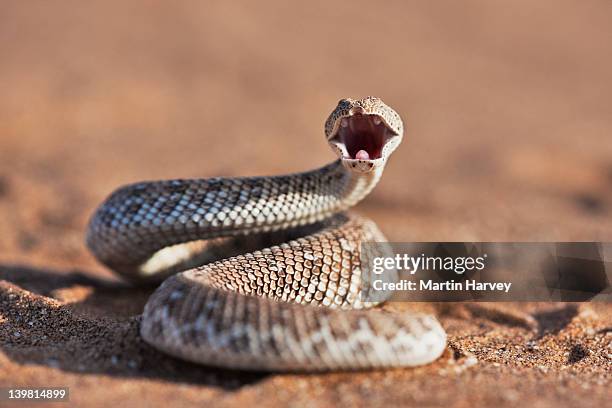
x=508 y=138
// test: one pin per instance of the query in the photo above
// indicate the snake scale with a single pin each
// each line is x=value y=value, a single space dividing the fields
x=263 y=273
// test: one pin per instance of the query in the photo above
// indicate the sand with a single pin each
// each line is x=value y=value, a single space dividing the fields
x=508 y=138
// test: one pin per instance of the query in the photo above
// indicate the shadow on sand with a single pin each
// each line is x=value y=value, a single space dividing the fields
x=93 y=329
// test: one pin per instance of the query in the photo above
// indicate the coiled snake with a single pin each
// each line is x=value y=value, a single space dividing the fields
x=294 y=302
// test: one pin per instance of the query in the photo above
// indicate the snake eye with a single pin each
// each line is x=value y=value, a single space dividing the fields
x=345 y=103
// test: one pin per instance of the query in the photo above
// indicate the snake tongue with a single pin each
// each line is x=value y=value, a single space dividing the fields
x=362 y=155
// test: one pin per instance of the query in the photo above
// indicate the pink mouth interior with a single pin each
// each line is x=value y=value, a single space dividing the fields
x=363 y=136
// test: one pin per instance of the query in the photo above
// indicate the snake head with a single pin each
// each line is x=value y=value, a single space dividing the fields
x=364 y=133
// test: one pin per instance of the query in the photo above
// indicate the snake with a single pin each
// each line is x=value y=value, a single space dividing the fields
x=266 y=273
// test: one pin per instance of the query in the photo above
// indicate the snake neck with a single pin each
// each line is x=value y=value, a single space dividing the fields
x=308 y=197
x=141 y=219
x=355 y=186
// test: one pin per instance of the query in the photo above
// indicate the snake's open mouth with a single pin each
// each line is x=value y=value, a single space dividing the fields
x=362 y=137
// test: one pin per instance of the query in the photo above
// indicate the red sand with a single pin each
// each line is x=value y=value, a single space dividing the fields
x=508 y=138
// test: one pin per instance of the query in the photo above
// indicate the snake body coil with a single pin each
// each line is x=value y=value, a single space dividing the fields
x=294 y=305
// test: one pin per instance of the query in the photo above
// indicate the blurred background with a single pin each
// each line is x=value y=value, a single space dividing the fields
x=507 y=109
x=506 y=106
